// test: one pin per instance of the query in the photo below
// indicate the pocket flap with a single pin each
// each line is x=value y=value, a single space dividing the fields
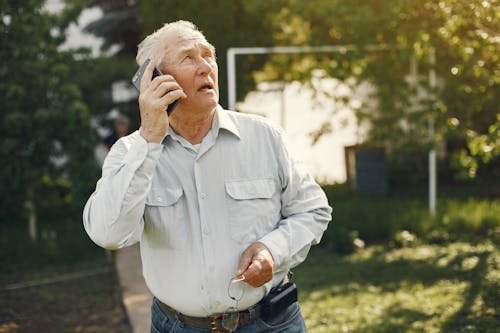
x=163 y=196
x=250 y=189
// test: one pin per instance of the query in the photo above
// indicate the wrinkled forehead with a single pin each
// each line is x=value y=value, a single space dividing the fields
x=180 y=39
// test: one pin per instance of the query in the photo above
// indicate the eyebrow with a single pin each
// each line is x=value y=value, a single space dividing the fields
x=204 y=45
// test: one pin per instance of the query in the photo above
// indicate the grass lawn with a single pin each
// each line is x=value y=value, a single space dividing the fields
x=62 y=300
x=426 y=288
x=451 y=287
x=61 y=283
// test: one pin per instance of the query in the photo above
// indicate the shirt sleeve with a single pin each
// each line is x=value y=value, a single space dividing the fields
x=304 y=209
x=113 y=215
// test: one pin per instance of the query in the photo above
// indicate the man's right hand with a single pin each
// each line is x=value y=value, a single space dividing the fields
x=155 y=96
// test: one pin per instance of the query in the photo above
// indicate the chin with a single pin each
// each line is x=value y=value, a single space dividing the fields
x=206 y=106
x=212 y=104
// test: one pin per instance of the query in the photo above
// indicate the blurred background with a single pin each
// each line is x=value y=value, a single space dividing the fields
x=393 y=105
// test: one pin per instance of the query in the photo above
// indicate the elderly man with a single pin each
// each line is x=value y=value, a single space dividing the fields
x=220 y=209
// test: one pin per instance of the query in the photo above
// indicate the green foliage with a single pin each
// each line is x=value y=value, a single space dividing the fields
x=463 y=104
x=471 y=215
x=375 y=219
x=462 y=35
x=482 y=151
x=62 y=243
x=120 y=30
x=119 y=25
x=95 y=79
x=43 y=115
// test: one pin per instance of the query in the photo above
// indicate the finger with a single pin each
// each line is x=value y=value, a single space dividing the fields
x=176 y=94
x=238 y=279
x=256 y=275
x=148 y=74
x=164 y=87
x=252 y=271
x=160 y=80
x=245 y=261
x=172 y=96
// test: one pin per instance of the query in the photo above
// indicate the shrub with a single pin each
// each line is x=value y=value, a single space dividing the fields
x=377 y=219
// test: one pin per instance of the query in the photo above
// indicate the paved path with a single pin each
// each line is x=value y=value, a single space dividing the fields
x=136 y=296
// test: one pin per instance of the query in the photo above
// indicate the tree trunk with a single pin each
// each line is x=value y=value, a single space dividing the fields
x=32 y=218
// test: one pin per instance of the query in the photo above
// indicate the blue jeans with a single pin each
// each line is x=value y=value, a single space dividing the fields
x=289 y=321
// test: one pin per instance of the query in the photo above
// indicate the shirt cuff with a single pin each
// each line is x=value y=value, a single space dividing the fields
x=277 y=244
x=142 y=152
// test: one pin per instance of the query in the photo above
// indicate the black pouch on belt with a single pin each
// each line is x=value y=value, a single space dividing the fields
x=278 y=300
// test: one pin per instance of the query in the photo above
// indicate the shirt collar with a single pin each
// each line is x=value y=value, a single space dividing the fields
x=221 y=121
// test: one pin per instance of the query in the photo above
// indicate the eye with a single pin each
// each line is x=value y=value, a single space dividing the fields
x=187 y=58
x=208 y=56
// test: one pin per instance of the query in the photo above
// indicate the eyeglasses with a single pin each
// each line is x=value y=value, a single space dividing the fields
x=235 y=291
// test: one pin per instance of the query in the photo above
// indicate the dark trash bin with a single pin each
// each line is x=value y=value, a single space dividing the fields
x=366 y=169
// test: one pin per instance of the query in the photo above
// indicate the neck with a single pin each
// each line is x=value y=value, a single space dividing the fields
x=192 y=126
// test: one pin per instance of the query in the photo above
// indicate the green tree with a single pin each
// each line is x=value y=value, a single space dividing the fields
x=118 y=26
x=120 y=30
x=464 y=36
x=45 y=125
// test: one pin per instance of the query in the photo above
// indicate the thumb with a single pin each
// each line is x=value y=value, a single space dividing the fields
x=245 y=261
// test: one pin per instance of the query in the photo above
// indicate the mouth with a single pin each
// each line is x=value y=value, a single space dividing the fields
x=206 y=87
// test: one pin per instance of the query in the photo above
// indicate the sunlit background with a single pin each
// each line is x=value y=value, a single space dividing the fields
x=392 y=105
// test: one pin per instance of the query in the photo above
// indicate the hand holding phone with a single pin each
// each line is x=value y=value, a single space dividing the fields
x=136 y=81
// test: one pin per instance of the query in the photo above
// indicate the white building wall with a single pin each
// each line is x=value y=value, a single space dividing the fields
x=304 y=115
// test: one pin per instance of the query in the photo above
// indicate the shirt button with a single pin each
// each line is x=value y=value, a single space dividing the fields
x=158 y=199
x=206 y=231
x=203 y=195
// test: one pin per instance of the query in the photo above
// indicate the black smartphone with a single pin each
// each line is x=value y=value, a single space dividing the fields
x=136 y=81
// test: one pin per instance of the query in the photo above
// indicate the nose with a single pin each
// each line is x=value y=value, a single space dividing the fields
x=204 y=66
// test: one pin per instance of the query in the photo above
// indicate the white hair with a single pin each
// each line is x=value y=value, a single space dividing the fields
x=151 y=48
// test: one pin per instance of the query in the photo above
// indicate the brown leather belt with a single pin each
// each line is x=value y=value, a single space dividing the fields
x=214 y=322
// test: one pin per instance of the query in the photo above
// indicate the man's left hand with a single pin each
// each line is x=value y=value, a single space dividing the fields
x=256 y=265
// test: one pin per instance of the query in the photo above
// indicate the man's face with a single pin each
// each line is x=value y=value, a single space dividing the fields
x=190 y=59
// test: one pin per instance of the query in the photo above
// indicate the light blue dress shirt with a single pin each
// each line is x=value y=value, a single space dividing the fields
x=196 y=209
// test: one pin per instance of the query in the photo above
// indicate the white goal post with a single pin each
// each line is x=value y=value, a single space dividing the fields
x=231 y=86
x=234 y=51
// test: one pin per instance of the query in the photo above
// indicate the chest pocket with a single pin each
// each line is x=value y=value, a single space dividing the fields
x=253 y=208
x=164 y=224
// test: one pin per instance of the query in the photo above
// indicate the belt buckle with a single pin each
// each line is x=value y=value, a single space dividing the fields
x=216 y=323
